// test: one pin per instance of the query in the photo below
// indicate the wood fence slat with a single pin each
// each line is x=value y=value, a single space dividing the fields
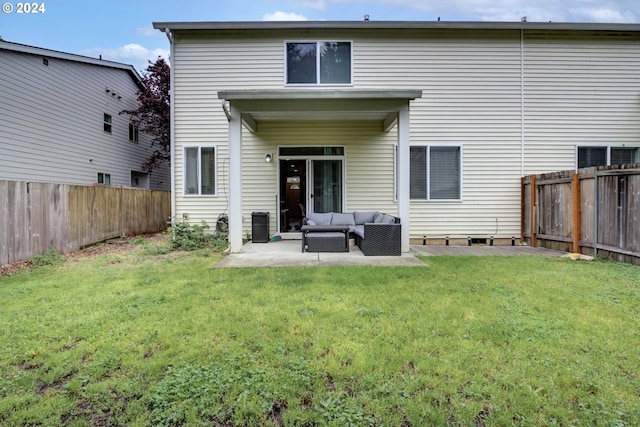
x=37 y=216
x=566 y=204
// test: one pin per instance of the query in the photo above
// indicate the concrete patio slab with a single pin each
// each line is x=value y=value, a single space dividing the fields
x=287 y=253
x=482 y=250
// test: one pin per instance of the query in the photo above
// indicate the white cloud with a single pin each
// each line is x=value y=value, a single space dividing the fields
x=610 y=11
x=313 y=4
x=605 y=15
x=132 y=53
x=283 y=16
x=148 y=31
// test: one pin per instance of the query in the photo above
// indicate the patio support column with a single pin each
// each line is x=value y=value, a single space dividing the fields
x=403 y=174
x=235 y=179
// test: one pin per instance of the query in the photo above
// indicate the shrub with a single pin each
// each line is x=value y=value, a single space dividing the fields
x=49 y=258
x=190 y=237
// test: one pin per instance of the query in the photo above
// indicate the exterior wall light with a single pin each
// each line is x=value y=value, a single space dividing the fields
x=267 y=157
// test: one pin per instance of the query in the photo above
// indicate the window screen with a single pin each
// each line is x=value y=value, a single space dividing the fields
x=445 y=173
x=623 y=155
x=435 y=173
x=592 y=156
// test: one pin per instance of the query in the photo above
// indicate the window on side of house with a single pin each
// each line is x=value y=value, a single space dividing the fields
x=318 y=63
x=435 y=173
x=199 y=171
x=133 y=132
x=606 y=156
x=107 y=122
x=104 y=178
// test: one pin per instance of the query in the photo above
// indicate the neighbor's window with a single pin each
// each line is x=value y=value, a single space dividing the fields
x=435 y=173
x=319 y=63
x=107 y=122
x=199 y=171
x=133 y=132
x=606 y=156
x=104 y=178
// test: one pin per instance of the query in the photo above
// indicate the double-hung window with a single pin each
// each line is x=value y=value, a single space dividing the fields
x=318 y=63
x=199 y=171
x=133 y=133
x=107 y=122
x=606 y=156
x=435 y=172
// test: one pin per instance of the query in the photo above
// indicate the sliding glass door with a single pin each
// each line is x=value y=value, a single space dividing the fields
x=326 y=186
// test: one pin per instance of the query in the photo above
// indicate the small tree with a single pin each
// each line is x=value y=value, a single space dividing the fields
x=153 y=113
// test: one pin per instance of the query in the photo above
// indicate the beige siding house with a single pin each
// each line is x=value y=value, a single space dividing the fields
x=434 y=122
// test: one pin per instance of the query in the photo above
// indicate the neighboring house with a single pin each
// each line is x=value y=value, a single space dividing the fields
x=61 y=123
x=435 y=122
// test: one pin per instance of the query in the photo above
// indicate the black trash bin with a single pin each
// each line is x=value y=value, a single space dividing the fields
x=259 y=227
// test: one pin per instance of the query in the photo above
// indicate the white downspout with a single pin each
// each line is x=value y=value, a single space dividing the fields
x=172 y=107
x=521 y=101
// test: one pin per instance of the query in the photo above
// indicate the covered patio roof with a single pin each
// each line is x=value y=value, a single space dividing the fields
x=250 y=107
x=313 y=104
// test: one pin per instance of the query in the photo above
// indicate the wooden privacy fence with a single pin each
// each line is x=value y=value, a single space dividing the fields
x=594 y=211
x=37 y=216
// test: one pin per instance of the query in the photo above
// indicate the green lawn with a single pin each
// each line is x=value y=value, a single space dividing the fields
x=148 y=338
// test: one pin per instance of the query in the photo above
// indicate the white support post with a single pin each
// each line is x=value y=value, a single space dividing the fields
x=235 y=180
x=403 y=175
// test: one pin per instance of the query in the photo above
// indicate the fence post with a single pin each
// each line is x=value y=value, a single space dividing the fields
x=523 y=206
x=577 y=214
x=534 y=240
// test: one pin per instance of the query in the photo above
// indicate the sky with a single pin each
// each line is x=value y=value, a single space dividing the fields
x=121 y=30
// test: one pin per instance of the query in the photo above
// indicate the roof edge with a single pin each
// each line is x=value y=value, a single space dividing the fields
x=396 y=25
x=33 y=50
x=271 y=94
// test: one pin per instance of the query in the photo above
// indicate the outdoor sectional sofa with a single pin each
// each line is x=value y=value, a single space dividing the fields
x=375 y=233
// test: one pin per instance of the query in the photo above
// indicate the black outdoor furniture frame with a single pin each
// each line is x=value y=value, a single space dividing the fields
x=325 y=238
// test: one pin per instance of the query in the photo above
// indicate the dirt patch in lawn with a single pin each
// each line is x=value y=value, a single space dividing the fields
x=112 y=246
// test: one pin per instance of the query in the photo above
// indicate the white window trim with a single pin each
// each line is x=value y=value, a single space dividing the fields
x=428 y=173
x=184 y=170
x=317 y=83
x=105 y=122
x=608 y=147
x=136 y=133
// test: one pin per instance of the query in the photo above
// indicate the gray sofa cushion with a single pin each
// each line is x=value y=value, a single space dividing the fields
x=342 y=219
x=381 y=218
x=320 y=218
x=388 y=219
x=364 y=217
x=359 y=230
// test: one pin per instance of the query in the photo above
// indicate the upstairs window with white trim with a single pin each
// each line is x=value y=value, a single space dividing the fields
x=435 y=173
x=107 y=122
x=199 y=171
x=318 y=63
x=606 y=156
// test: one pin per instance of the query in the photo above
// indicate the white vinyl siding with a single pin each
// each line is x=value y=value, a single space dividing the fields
x=53 y=122
x=578 y=90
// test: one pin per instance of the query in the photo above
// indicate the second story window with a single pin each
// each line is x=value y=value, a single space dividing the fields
x=133 y=132
x=314 y=63
x=107 y=122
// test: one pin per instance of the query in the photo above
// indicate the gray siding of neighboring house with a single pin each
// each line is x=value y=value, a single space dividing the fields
x=52 y=122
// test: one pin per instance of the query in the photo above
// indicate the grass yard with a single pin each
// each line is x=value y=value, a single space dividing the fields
x=154 y=338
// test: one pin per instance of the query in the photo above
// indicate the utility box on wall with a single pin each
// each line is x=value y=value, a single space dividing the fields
x=259 y=227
